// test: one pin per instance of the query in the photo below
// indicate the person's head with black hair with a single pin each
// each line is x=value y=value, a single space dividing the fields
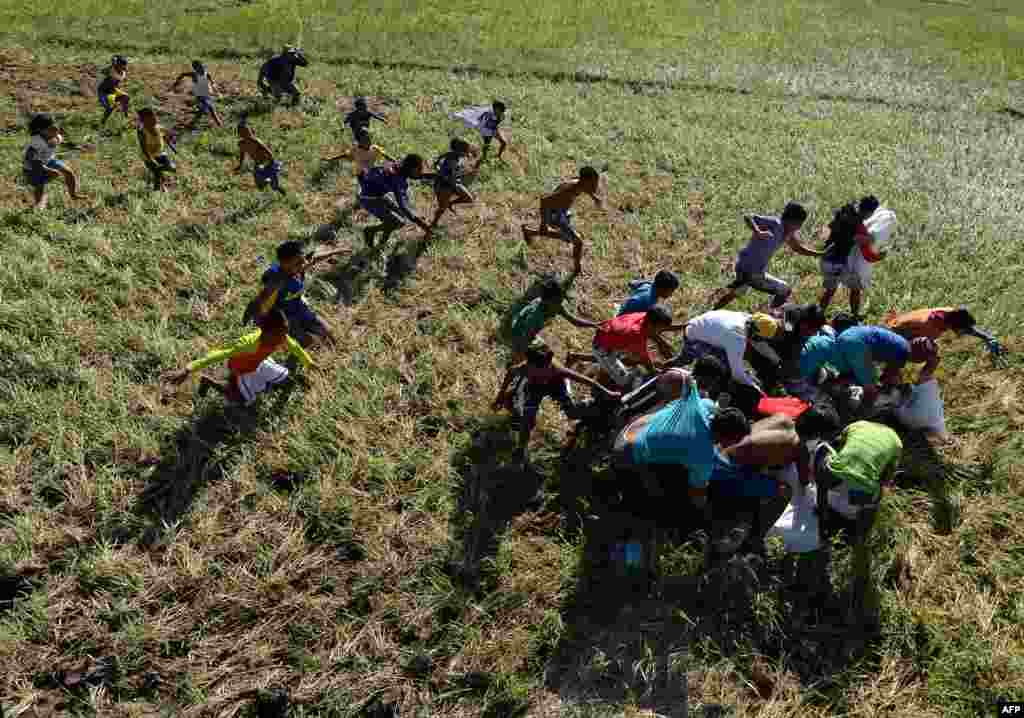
x=819 y=421
x=498 y=107
x=539 y=356
x=359 y=103
x=273 y=327
x=39 y=124
x=290 y=256
x=147 y=117
x=867 y=206
x=794 y=215
x=841 y=321
x=666 y=283
x=198 y=67
x=711 y=375
x=960 y=320
x=411 y=166
x=119 y=61
x=729 y=426
x=551 y=291
x=805 y=320
x=459 y=146
x=658 y=318
x=589 y=178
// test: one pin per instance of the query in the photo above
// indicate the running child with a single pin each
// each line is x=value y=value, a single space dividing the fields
x=284 y=285
x=448 y=176
x=556 y=210
x=845 y=235
x=253 y=372
x=265 y=168
x=154 y=141
x=768 y=234
x=277 y=75
x=358 y=120
x=202 y=88
x=537 y=378
x=486 y=120
x=364 y=154
x=109 y=91
x=375 y=186
x=41 y=165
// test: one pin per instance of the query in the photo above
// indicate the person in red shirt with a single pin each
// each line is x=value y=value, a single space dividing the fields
x=252 y=370
x=625 y=337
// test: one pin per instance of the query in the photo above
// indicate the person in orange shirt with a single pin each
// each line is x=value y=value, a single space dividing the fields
x=933 y=323
x=253 y=372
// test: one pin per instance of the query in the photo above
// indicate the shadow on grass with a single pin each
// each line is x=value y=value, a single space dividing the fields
x=196 y=456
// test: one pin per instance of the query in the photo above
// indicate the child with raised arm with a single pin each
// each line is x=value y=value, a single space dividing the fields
x=364 y=154
x=109 y=91
x=202 y=88
x=253 y=372
x=154 y=141
x=265 y=168
x=448 y=176
x=556 y=210
x=375 y=186
x=768 y=234
x=284 y=284
x=537 y=378
x=41 y=164
x=358 y=120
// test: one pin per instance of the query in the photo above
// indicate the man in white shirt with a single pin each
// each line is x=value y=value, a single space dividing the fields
x=727 y=335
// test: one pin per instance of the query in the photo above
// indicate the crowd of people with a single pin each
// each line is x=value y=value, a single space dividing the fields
x=743 y=419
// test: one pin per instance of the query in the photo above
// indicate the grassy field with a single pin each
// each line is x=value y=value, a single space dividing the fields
x=154 y=551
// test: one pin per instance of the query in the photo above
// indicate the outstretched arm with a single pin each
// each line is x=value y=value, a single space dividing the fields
x=577 y=321
x=799 y=248
x=181 y=77
x=587 y=381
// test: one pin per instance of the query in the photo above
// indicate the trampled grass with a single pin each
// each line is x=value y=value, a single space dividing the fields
x=161 y=535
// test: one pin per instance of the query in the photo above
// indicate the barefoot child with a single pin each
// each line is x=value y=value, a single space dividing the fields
x=768 y=236
x=487 y=121
x=375 y=186
x=283 y=287
x=277 y=75
x=364 y=154
x=153 y=140
x=556 y=210
x=448 y=186
x=109 y=90
x=202 y=87
x=265 y=168
x=253 y=372
x=534 y=380
x=358 y=120
x=40 y=163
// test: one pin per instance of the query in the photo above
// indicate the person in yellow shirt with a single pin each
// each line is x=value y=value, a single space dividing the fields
x=364 y=154
x=253 y=372
x=154 y=141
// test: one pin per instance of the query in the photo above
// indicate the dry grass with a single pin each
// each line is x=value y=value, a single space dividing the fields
x=160 y=534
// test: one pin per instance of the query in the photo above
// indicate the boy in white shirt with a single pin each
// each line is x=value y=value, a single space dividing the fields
x=202 y=87
x=727 y=335
x=41 y=164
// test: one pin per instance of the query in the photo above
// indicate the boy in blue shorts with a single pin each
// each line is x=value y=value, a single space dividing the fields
x=41 y=164
x=768 y=234
x=539 y=377
x=283 y=287
x=202 y=88
x=266 y=169
x=109 y=91
x=374 y=187
x=556 y=210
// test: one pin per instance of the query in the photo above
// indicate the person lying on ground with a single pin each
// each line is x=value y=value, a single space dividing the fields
x=527 y=384
x=203 y=88
x=624 y=339
x=266 y=170
x=252 y=370
x=556 y=210
x=284 y=286
x=935 y=323
x=845 y=235
x=768 y=234
x=40 y=164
